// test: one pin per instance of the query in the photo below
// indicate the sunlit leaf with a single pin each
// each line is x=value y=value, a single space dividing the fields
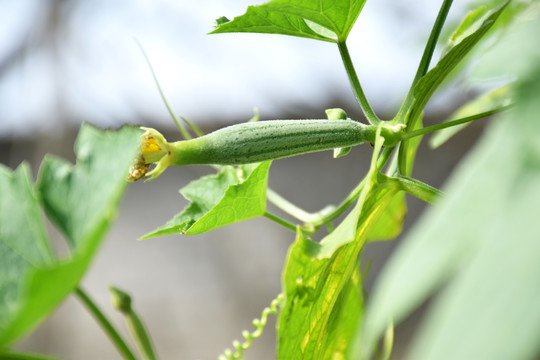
x=232 y=195
x=327 y=20
x=390 y=223
x=320 y=287
x=318 y=292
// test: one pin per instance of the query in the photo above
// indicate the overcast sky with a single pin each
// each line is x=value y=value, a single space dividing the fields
x=92 y=69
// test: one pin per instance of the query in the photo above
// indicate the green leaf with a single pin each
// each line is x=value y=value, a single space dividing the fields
x=323 y=302
x=321 y=281
x=23 y=242
x=491 y=100
x=232 y=195
x=390 y=223
x=82 y=200
x=319 y=292
x=35 y=283
x=326 y=20
x=482 y=241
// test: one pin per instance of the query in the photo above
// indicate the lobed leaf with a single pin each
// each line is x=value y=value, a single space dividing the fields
x=326 y=20
x=232 y=195
x=81 y=201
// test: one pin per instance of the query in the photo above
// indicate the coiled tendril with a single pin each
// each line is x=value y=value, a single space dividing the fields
x=259 y=325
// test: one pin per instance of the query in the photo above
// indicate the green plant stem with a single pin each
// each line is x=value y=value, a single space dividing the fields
x=353 y=195
x=289 y=225
x=122 y=302
x=326 y=215
x=105 y=324
x=140 y=335
x=414 y=187
x=357 y=88
x=24 y=356
x=456 y=122
x=291 y=208
x=426 y=58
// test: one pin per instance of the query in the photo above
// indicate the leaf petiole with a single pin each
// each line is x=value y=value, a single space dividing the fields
x=412 y=186
x=106 y=325
x=355 y=83
x=426 y=58
x=294 y=210
x=456 y=122
x=289 y=225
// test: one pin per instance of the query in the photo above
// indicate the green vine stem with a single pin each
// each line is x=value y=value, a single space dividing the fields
x=355 y=83
x=456 y=122
x=289 y=225
x=109 y=329
x=426 y=58
x=412 y=186
x=259 y=325
x=121 y=301
x=293 y=210
x=353 y=195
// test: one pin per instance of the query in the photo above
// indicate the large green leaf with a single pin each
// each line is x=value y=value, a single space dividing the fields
x=482 y=241
x=82 y=200
x=34 y=282
x=23 y=242
x=232 y=195
x=327 y=20
x=320 y=287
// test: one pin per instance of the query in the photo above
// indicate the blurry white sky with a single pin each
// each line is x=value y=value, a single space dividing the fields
x=92 y=69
